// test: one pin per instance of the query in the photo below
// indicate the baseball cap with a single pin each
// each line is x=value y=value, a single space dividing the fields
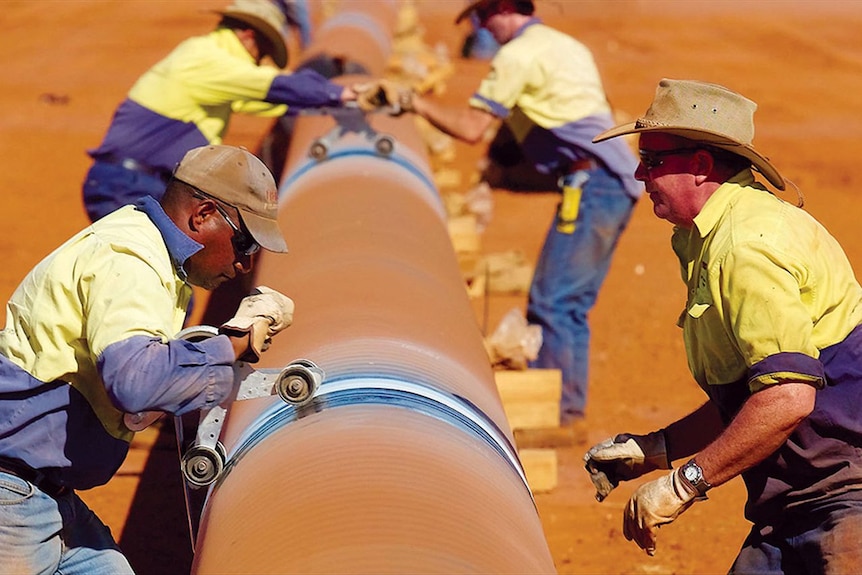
x=238 y=178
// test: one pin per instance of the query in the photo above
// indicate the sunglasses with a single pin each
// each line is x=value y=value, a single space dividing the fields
x=653 y=159
x=242 y=242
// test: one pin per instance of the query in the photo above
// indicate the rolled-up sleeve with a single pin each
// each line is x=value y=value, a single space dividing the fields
x=146 y=374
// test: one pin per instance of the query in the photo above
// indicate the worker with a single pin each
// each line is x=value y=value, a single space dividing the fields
x=772 y=327
x=186 y=100
x=89 y=342
x=546 y=87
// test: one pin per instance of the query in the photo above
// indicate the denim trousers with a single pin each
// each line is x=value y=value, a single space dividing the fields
x=825 y=540
x=43 y=535
x=109 y=186
x=569 y=272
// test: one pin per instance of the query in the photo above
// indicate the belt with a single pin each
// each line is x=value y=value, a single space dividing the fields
x=135 y=166
x=33 y=476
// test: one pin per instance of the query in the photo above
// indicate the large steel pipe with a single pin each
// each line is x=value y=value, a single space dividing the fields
x=403 y=462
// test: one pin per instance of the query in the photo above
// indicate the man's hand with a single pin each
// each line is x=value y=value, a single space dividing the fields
x=384 y=94
x=655 y=504
x=625 y=457
x=261 y=315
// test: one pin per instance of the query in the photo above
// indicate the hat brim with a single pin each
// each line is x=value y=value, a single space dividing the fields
x=758 y=161
x=469 y=9
x=279 y=55
x=264 y=231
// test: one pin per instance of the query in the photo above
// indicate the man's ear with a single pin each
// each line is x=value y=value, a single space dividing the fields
x=200 y=213
x=702 y=164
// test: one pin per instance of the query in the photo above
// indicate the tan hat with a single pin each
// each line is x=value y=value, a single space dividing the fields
x=236 y=177
x=477 y=4
x=706 y=113
x=265 y=17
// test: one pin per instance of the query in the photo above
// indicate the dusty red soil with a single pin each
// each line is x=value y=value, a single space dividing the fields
x=67 y=65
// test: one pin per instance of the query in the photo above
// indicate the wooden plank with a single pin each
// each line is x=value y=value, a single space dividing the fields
x=540 y=467
x=531 y=397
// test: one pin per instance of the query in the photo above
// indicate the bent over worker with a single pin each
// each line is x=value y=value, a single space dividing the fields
x=186 y=100
x=772 y=327
x=89 y=339
x=545 y=85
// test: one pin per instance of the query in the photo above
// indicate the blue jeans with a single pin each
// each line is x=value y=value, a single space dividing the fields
x=568 y=275
x=42 y=535
x=827 y=541
x=109 y=186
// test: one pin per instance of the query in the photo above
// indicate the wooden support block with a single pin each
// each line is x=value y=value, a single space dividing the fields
x=531 y=397
x=464 y=233
x=540 y=467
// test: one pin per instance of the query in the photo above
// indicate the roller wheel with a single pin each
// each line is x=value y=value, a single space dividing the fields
x=318 y=150
x=296 y=385
x=202 y=465
x=384 y=145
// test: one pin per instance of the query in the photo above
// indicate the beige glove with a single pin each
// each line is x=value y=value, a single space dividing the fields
x=625 y=457
x=262 y=314
x=384 y=94
x=655 y=504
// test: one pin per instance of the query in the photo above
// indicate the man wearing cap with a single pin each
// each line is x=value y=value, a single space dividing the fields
x=186 y=101
x=546 y=87
x=89 y=340
x=772 y=332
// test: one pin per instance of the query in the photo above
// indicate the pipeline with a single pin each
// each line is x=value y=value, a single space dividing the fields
x=402 y=460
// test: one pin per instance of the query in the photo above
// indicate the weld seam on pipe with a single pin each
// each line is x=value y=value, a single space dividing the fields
x=358 y=20
x=421 y=398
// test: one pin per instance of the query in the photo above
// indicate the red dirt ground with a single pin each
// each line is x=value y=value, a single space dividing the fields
x=68 y=63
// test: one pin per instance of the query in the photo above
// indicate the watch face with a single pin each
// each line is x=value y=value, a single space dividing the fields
x=691 y=473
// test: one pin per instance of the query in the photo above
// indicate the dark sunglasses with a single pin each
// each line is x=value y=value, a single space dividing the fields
x=653 y=159
x=242 y=242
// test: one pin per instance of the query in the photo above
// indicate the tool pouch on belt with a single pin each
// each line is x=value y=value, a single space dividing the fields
x=567 y=212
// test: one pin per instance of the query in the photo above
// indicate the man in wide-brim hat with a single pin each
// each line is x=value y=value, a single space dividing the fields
x=772 y=327
x=186 y=101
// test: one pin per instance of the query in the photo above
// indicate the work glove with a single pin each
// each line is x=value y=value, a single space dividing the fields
x=624 y=457
x=655 y=504
x=262 y=315
x=384 y=94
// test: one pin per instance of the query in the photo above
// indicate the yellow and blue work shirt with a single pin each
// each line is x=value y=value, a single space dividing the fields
x=186 y=100
x=88 y=338
x=545 y=85
x=772 y=299
x=768 y=287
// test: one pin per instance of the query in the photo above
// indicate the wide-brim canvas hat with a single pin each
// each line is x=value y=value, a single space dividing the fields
x=265 y=17
x=702 y=112
x=473 y=6
x=238 y=178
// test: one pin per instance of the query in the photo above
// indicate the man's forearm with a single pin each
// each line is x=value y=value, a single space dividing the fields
x=693 y=432
x=763 y=424
x=467 y=124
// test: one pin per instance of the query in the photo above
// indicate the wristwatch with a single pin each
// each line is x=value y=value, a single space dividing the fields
x=693 y=474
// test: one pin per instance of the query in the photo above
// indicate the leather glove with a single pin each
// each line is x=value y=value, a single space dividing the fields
x=655 y=504
x=262 y=315
x=624 y=457
x=384 y=94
